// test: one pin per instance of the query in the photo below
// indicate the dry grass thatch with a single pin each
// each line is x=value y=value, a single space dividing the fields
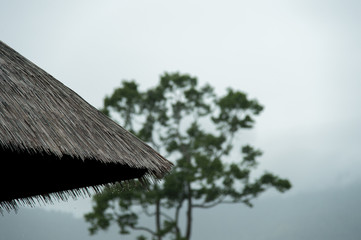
x=51 y=137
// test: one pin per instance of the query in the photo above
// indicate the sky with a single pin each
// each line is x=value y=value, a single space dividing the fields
x=299 y=58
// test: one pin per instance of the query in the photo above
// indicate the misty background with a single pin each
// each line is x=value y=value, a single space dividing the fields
x=300 y=59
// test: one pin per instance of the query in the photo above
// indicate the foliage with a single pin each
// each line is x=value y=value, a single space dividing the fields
x=196 y=129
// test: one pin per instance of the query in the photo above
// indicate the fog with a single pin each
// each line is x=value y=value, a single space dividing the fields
x=300 y=59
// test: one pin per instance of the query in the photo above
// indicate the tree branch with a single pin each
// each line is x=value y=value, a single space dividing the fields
x=205 y=205
x=144 y=229
x=162 y=214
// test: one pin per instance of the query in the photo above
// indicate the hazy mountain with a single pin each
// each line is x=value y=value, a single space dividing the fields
x=332 y=214
x=39 y=224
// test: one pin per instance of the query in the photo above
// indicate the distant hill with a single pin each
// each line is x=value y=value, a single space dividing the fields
x=330 y=215
x=39 y=224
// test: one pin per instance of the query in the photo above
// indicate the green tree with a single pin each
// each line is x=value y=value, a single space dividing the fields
x=196 y=129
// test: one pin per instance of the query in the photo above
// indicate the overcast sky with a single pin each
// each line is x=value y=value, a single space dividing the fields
x=299 y=58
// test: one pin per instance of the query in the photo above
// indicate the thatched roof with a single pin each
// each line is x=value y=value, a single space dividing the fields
x=54 y=143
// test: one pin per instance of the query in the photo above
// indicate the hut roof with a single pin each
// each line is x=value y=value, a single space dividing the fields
x=54 y=143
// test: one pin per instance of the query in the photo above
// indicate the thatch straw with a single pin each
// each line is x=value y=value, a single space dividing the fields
x=42 y=120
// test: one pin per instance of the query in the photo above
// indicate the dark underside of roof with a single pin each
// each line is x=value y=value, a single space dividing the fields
x=27 y=178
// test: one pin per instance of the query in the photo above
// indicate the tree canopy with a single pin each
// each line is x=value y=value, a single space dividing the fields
x=197 y=130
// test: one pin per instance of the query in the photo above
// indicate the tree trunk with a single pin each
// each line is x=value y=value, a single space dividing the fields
x=157 y=220
x=189 y=213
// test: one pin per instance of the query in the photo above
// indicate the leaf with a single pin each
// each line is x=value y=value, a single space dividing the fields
x=250 y=155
